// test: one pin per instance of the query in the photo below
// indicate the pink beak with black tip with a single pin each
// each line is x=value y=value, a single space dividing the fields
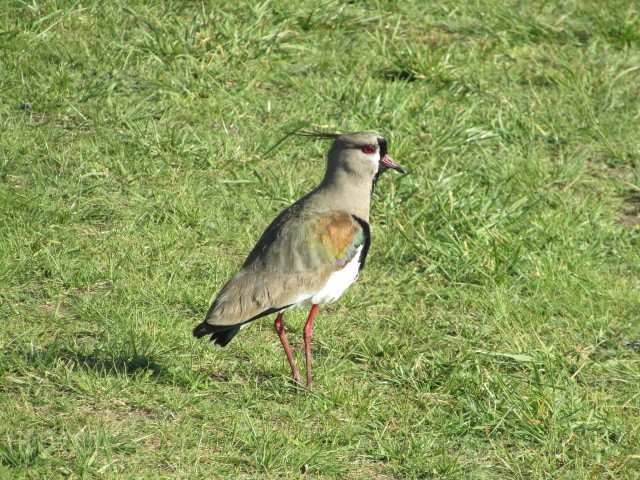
x=388 y=162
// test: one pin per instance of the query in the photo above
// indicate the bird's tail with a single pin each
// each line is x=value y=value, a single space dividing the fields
x=220 y=334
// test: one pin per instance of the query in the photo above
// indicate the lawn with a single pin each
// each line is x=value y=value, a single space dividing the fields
x=495 y=332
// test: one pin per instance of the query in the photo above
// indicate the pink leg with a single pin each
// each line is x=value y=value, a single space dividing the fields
x=279 y=325
x=307 y=332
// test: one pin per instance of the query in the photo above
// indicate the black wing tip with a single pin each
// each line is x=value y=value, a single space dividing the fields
x=201 y=330
x=205 y=328
x=222 y=334
x=219 y=337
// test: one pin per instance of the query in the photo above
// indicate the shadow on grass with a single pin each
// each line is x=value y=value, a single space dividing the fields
x=121 y=359
x=117 y=364
x=100 y=361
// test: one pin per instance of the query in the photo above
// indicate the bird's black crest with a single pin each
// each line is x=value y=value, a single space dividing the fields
x=316 y=134
x=302 y=133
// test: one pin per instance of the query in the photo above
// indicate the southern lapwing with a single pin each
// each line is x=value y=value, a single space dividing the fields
x=311 y=252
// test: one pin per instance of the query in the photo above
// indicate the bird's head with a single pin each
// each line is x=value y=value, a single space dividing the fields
x=363 y=154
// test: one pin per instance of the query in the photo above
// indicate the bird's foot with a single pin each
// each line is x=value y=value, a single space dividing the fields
x=300 y=384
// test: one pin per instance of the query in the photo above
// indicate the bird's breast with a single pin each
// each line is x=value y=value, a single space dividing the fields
x=336 y=284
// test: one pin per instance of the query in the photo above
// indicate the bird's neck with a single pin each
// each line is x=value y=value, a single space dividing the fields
x=347 y=193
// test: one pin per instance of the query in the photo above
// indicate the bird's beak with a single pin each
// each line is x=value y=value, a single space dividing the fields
x=388 y=162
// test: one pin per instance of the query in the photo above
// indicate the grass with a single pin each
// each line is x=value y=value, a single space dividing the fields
x=495 y=332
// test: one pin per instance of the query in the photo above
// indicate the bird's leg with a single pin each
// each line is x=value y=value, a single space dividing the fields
x=307 y=332
x=279 y=325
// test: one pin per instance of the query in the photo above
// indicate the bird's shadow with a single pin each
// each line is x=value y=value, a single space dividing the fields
x=110 y=361
x=99 y=361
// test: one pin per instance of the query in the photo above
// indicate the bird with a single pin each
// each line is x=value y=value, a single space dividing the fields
x=311 y=252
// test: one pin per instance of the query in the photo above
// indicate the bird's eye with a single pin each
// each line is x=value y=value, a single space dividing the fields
x=368 y=149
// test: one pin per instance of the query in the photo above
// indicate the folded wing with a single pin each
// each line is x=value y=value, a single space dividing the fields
x=294 y=258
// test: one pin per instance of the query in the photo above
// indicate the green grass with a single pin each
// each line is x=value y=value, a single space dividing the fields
x=495 y=332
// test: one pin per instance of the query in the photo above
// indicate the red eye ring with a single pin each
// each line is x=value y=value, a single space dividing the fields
x=368 y=149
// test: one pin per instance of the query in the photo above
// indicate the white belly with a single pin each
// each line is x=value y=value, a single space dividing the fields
x=337 y=283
